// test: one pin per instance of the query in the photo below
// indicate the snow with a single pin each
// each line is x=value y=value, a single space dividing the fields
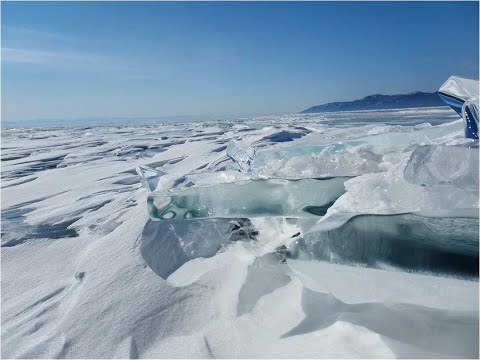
x=87 y=274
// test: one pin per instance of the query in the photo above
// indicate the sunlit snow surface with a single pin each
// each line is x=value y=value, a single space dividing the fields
x=391 y=270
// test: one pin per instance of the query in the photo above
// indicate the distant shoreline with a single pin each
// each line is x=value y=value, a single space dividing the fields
x=415 y=99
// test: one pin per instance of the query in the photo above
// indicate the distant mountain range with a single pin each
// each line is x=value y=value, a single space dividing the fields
x=378 y=102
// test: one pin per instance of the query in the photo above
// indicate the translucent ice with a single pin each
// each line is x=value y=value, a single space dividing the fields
x=252 y=198
x=149 y=177
x=242 y=155
x=411 y=241
x=441 y=165
x=389 y=192
x=167 y=245
x=323 y=156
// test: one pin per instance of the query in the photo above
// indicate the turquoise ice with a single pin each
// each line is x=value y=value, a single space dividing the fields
x=252 y=198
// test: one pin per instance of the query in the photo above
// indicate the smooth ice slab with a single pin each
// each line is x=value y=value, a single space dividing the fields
x=252 y=198
x=426 y=241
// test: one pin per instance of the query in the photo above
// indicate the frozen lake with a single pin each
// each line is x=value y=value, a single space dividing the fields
x=386 y=266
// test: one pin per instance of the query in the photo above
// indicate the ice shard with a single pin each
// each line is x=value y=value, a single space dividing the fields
x=149 y=177
x=242 y=155
x=251 y=198
x=444 y=165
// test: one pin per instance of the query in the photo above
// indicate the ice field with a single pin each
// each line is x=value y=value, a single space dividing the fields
x=349 y=235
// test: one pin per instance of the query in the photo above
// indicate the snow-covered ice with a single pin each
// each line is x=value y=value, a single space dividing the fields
x=390 y=271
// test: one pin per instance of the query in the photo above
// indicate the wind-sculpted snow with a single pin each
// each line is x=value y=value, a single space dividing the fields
x=382 y=262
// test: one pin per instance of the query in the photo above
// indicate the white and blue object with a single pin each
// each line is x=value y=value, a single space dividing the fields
x=462 y=96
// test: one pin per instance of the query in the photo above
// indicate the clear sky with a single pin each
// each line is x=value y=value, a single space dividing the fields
x=109 y=59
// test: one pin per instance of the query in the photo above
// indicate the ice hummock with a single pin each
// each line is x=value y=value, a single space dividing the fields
x=393 y=192
x=317 y=155
x=432 y=165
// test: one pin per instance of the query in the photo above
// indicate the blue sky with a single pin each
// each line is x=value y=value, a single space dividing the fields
x=109 y=59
